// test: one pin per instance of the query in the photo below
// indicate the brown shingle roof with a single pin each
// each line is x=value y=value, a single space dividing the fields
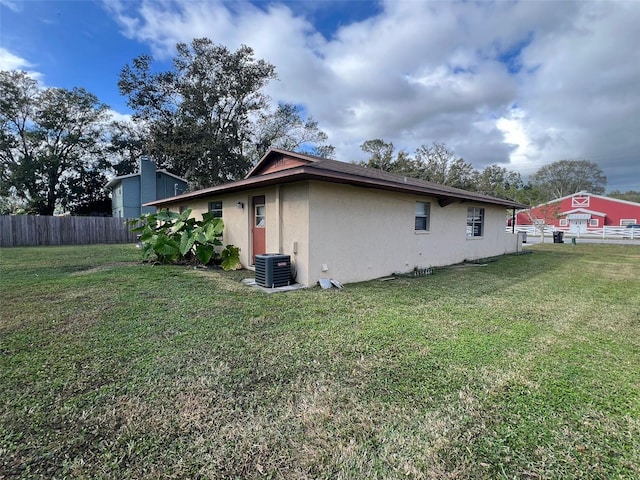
x=333 y=171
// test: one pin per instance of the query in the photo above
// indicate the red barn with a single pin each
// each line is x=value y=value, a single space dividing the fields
x=582 y=212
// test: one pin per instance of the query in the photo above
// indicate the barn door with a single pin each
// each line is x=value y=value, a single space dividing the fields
x=578 y=226
x=258 y=229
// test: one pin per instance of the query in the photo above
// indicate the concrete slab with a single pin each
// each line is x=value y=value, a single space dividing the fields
x=251 y=282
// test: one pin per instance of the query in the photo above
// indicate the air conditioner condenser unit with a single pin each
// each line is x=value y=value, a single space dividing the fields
x=273 y=270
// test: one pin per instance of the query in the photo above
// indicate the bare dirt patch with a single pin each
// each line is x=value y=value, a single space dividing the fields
x=103 y=268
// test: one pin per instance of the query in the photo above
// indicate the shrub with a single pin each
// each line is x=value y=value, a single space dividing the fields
x=177 y=238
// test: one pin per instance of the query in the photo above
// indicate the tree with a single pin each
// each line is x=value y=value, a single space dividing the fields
x=566 y=177
x=208 y=119
x=87 y=194
x=435 y=163
x=286 y=128
x=380 y=154
x=11 y=205
x=543 y=215
x=629 y=196
x=529 y=195
x=498 y=182
x=440 y=165
x=127 y=143
x=49 y=137
x=199 y=113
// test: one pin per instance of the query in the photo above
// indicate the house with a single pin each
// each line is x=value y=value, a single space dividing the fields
x=130 y=193
x=581 y=212
x=348 y=222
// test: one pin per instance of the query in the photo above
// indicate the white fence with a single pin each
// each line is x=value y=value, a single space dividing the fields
x=604 y=232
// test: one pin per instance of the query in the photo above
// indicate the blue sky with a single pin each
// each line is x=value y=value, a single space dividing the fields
x=71 y=43
x=520 y=84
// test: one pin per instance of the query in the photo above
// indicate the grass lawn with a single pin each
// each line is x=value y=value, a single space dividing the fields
x=526 y=368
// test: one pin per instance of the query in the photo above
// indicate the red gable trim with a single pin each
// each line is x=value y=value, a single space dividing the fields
x=272 y=158
x=277 y=164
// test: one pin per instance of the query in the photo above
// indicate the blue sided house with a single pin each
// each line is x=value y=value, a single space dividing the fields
x=129 y=193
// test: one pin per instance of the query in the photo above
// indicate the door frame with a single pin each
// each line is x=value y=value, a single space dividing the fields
x=257 y=201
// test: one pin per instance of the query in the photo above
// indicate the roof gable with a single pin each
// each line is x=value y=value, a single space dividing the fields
x=166 y=172
x=281 y=166
x=276 y=160
x=583 y=210
x=115 y=180
x=585 y=194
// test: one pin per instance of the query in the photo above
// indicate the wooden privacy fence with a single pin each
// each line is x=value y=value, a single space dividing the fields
x=23 y=230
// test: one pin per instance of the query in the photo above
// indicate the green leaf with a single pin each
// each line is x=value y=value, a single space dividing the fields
x=204 y=253
x=213 y=229
x=207 y=217
x=230 y=257
x=186 y=243
x=167 y=249
x=184 y=216
x=218 y=225
x=147 y=250
x=147 y=235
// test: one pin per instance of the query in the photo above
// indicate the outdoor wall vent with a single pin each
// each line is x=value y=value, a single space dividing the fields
x=273 y=270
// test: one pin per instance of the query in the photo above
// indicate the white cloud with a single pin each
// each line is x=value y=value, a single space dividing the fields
x=516 y=83
x=12 y=5
x=10 y=61
x=120 y=117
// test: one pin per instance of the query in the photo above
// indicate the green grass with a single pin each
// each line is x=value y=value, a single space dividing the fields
x=526 y=368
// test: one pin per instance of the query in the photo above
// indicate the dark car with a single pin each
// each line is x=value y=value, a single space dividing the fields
x=632 y=231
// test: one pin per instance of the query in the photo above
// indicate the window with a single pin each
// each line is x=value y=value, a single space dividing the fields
x=475 y=222
x=260 y=216
x=564 y=222
x=423 y=211
x=216 y=209
x=580 y=201
x=593 y=222
x=628 y=221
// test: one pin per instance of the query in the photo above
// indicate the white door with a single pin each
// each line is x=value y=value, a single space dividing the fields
x=578 y=226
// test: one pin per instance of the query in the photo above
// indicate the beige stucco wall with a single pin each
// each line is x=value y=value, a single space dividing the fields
x=236 y=221
x=359 y=234
x=294 y=227
x=286 y=221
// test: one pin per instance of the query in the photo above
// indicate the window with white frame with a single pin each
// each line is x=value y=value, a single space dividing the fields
x=475 y=222
x=216 y=209
x=628 y=221
x=423 y=212
x=578 y=201
x=564 y=222
x=594 y=222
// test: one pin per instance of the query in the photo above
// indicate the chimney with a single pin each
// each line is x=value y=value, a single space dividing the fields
x=147 y=183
